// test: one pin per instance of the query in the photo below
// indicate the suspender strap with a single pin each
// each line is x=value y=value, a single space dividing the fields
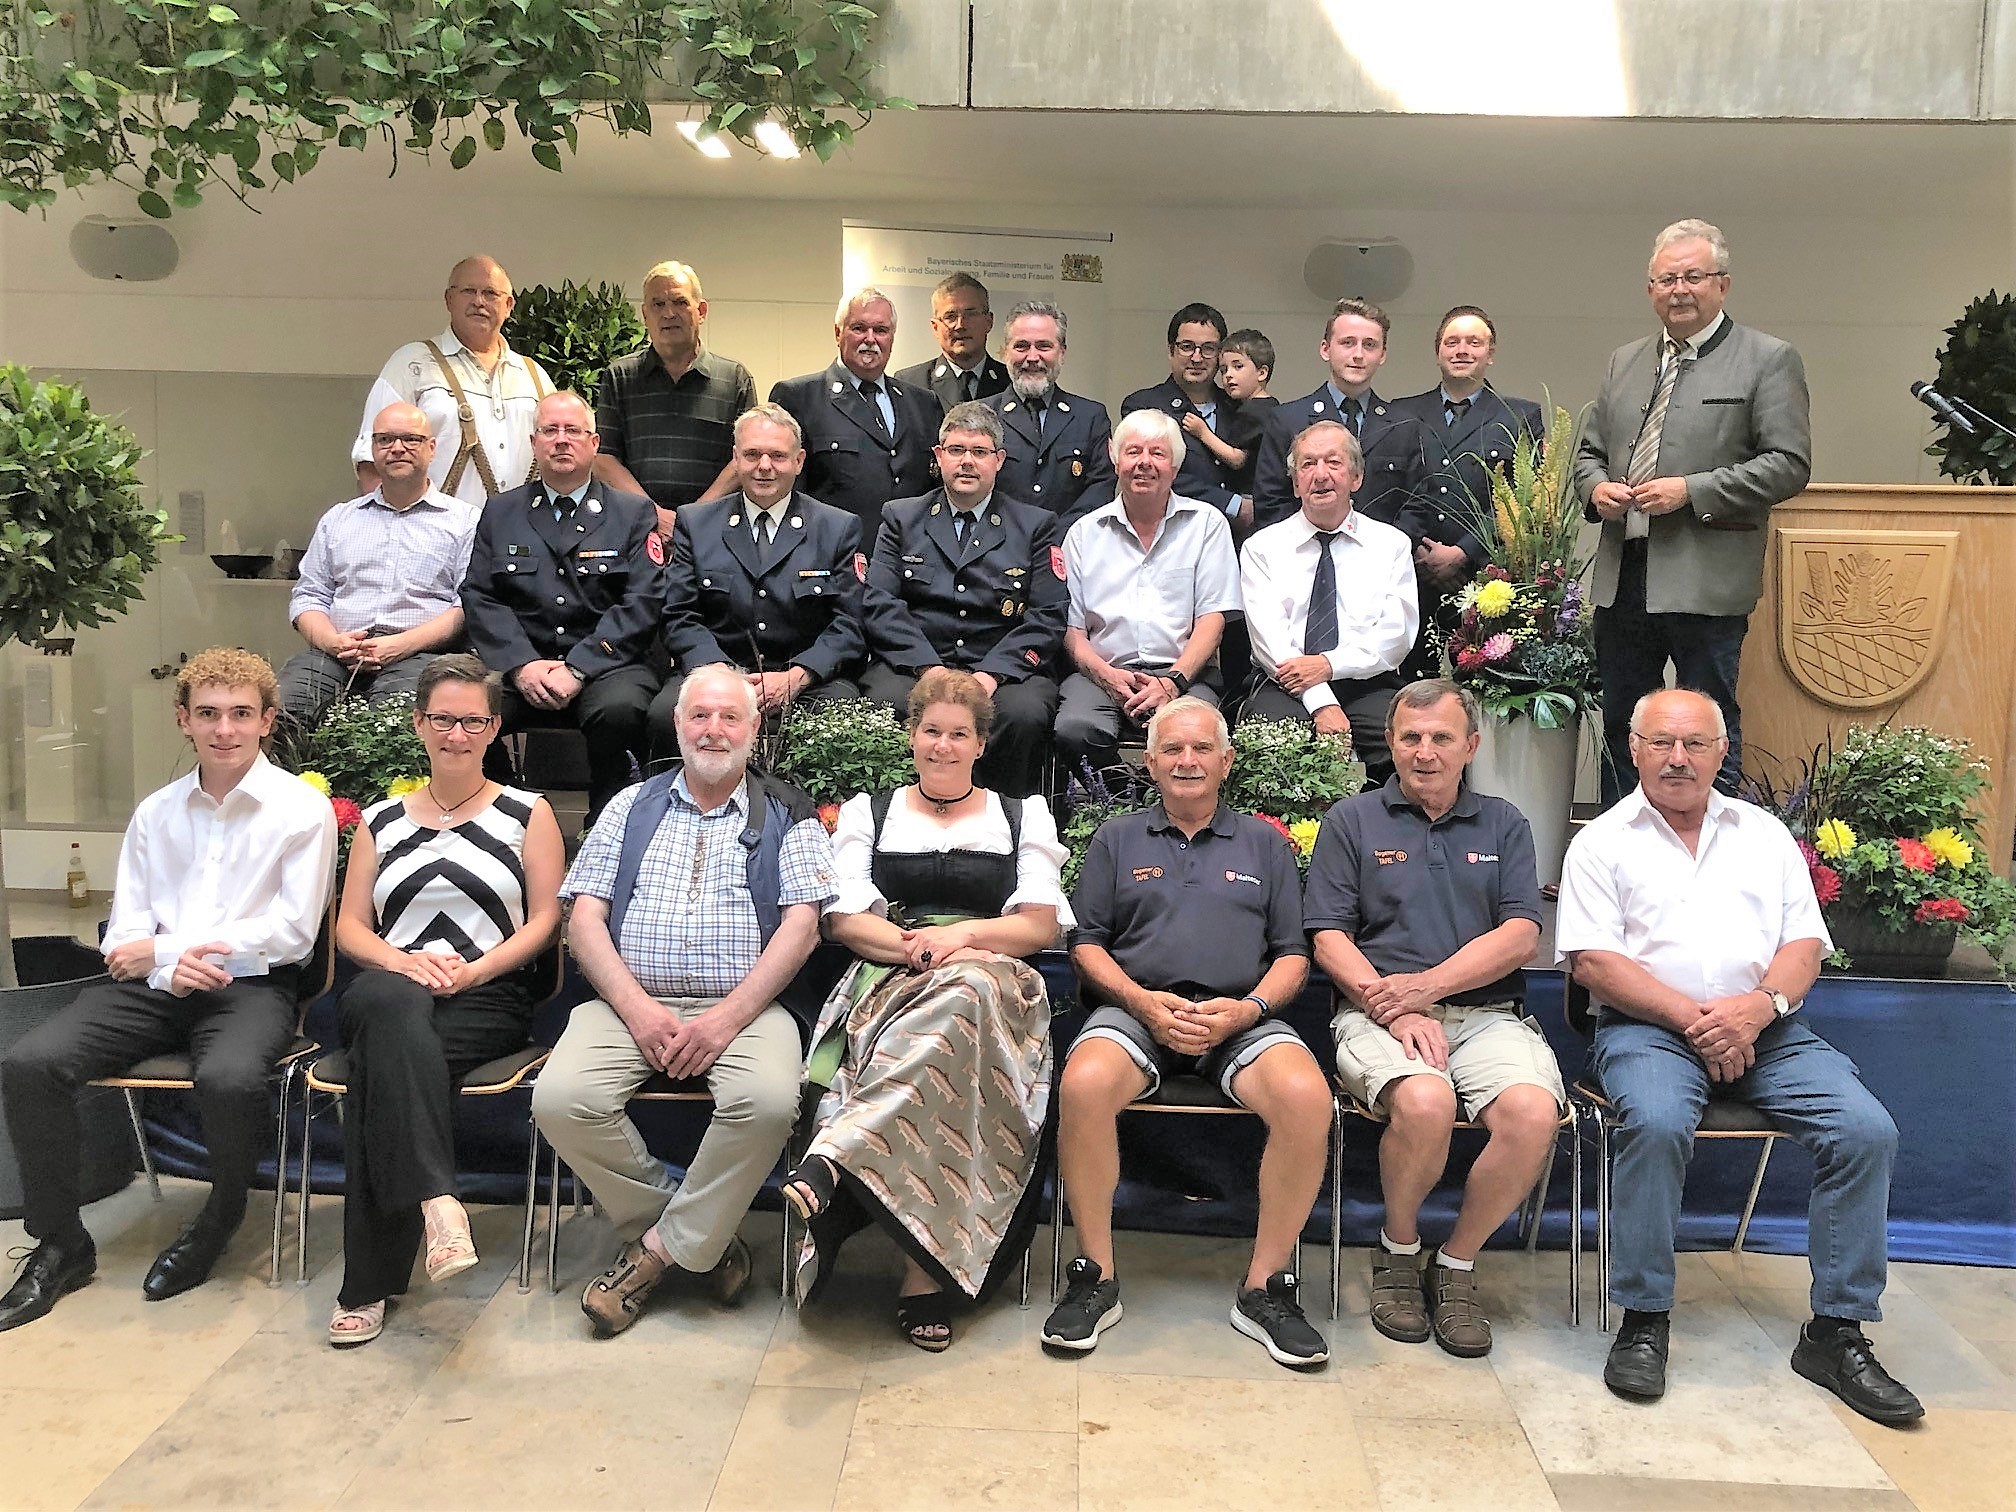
x=472 y=443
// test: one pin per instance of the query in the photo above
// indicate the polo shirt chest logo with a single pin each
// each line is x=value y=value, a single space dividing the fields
x=1474 y=857
x=1147 y=873
x=1239 y=876
x=1389 y=857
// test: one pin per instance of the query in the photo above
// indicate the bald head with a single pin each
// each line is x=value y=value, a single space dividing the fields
x=479 y=301
x=402 y=449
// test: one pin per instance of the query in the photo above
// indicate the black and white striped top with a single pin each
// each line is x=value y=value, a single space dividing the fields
x=461 y=887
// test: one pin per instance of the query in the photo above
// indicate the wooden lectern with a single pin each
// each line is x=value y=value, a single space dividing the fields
x=1888 y=602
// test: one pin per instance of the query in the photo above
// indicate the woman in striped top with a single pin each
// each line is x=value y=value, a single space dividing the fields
x=452 y=892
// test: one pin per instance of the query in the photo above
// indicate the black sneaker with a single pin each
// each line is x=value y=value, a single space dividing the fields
x=1271 y=1315
x=1090 y=1307
x=1845 y=1363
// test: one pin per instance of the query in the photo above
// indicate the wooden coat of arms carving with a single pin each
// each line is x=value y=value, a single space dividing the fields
x=1862 y=614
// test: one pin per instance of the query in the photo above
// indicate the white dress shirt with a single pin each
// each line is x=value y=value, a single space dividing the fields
x=502 y=403
x=1637 y=523
x=1039 y=862
x=252 y=869
x=1138 y=607
x=1378 y=612
x=372 y=567
x=1706 y=924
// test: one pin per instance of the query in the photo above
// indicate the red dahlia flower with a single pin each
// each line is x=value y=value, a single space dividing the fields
x=1917 y=855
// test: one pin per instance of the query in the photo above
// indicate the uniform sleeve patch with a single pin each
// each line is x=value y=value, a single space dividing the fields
x=654 y=547
x=861 y=566
x=1057 y=562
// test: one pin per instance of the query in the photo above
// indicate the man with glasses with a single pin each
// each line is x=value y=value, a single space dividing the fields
x=1054 y=443
x=1691 y=919
x=1698 y=431
x=962 y=320
x=1191 y=397
x=477 y=394
x=562 y=597
x=969 y=578
x=667 y=413
x=380 y=588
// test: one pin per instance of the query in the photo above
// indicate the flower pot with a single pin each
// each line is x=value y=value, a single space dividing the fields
x=1875 y=948
x=1534 y=770
x=54 y=969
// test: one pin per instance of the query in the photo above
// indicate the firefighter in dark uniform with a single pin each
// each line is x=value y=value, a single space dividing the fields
x=968 y=578
x=867 y=436
x=962 y=319
x=1057 y=445
x=767 y=579
x=562 y=596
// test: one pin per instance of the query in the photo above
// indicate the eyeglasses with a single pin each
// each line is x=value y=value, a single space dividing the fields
x=470 y=291
x=1195 y=348
x=1694 y=745
x=398 y=441
x=472 y=724
x=571 y=432
x=1693 y=278
x=961 y=453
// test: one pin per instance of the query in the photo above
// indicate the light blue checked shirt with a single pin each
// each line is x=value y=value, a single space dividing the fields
x=691 y=929
x=372 y=567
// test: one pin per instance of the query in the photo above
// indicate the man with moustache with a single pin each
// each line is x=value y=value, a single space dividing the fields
x=477 y=394
x=962 y=320
x=562 y=597
x=666 y=414
x=1056 y=442
x=867 y=436
x=1329 y=601
x=1152 y=577
x=1691 y=919
x=767 y=579
x=695 y=901
x=1400 y=455
x=1191 y=397
x=1697 y=433
x=968 y=578
x=381 y=582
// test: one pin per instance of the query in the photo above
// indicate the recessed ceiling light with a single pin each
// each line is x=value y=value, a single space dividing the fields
x=775 y=140
x=708 y=146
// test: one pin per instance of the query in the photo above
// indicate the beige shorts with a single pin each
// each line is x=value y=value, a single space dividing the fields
x=1490 y=1048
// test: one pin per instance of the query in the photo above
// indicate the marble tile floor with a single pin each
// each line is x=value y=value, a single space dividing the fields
x=480 y=1397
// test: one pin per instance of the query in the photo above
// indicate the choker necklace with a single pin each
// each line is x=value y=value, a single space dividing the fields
x=942 y=804
x=445 y=812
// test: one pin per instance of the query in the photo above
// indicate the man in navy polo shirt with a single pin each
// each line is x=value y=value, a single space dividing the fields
x=1189 y=936
x=1423 y=903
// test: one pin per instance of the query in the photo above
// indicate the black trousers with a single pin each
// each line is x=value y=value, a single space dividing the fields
x=665 y=713
x=233 y=1035
x=407 y=1050
x=1364 y=703
x=1020 y=742
x=610 y=712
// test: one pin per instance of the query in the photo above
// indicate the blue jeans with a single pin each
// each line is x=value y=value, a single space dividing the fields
x=1632 y=649
x=1807 y=1088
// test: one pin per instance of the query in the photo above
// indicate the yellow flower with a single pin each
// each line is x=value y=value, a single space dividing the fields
x=316 y=781
x=1304 y=835
x=1834 y=839
x=1946 y=844
x=1494 y=598
x=401 y=786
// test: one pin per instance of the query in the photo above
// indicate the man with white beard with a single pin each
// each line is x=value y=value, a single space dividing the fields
x=1056 y=441
x=695 y=901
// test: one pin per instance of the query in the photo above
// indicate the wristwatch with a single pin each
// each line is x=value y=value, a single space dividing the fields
x=1781 y=1005
x=1266 y=1008
x=1182 y=683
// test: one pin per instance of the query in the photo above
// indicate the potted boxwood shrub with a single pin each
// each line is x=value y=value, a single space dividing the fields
x=575 y=331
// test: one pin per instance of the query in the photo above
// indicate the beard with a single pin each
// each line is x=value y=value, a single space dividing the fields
x=716 y=766
x=1027 y=388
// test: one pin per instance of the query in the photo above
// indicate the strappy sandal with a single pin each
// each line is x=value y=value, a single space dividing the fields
x=809 y=1188
x=925 y=1310
x=351 y=1326
x=450 y=1248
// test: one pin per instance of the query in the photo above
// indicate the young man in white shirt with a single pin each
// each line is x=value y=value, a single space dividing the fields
x=1691 y=919
x=223 y=880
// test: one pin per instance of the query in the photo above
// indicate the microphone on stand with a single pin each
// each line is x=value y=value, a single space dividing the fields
x=1943 y=407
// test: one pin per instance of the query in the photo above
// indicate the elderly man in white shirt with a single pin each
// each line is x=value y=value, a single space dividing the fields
x=381 y=583
x=1330 y=602
x=477 y=394
x=1152 y=577
x=223 y=880
x=1691 y=919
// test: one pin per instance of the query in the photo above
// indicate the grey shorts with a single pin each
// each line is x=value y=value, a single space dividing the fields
x=1217 y=1066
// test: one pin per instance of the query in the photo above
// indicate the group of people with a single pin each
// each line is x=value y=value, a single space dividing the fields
x=922 y=1082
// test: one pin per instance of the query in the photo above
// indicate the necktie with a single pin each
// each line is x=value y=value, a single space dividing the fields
x=872 y=392
x=1041 y=410
x=1320 y=631
x=969 y=385
x=563 y=506
x=1455 y=410
x=1354 y=416
x=959 y=526
x=766 y=529
x=1645 y=450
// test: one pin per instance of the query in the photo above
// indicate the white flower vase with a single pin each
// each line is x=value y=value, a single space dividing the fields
x=1534 y=770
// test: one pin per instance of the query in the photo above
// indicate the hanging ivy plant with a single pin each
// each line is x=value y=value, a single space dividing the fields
x=172 y=96
x=575 y=332
x=1978 y=364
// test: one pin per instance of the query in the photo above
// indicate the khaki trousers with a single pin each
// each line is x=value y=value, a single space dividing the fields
x=580 y=1103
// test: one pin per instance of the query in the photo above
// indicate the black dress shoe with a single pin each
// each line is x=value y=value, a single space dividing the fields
x=1845 y=1363
x=184 y=1265
x=1637 y=1364
x=49 y=1271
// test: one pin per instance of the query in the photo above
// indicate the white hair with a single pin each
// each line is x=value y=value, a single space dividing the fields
x=868 y=294
x=1187 y=703
x=1692 y=230
x=718 y=672
x=1153 y=424
x=1638 y=710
